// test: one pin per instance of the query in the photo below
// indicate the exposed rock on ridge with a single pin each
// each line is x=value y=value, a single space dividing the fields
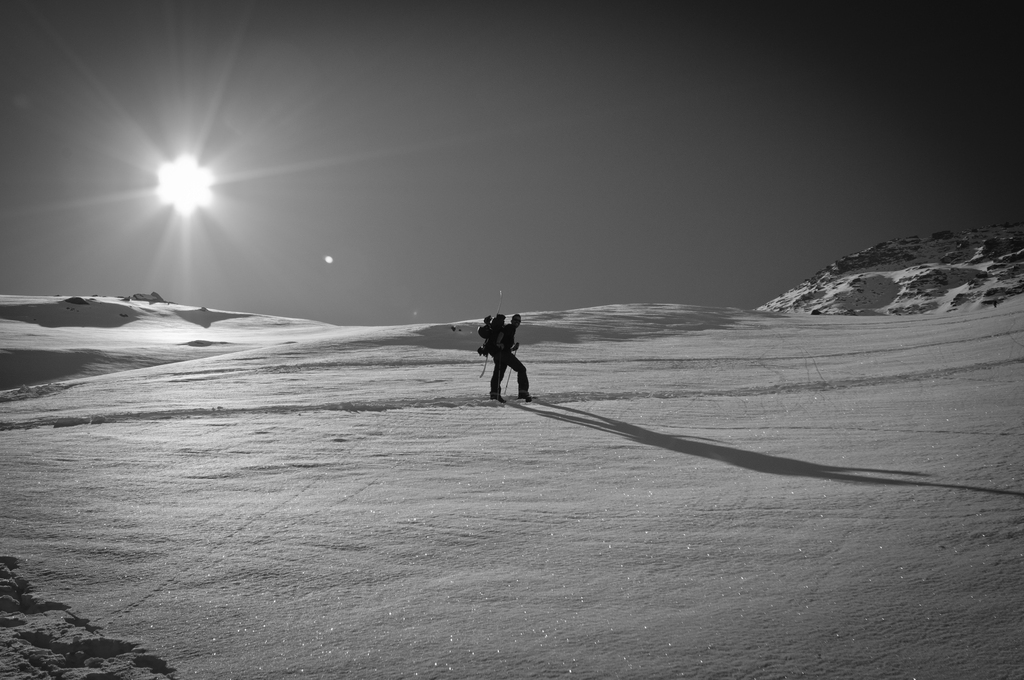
x=949 y=271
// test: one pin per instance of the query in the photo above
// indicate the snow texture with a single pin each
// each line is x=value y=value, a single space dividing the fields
x=42 y=639
x=949 y=271
x=706 y=493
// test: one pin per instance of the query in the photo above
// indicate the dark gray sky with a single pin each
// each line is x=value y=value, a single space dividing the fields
x=569 y=154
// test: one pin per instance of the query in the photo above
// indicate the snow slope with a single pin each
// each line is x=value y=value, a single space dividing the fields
x=697 y=492
x=60 y=337
x=963 y=270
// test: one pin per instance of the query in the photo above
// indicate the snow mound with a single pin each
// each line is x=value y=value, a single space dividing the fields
x=950 y=271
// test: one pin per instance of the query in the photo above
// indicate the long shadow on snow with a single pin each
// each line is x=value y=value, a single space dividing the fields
x=759 y=462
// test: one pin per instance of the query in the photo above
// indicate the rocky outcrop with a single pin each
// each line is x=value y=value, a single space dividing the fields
x=948 y=271
x=151 y=297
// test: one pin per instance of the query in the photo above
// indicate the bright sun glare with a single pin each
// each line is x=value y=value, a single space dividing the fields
x=185 y=185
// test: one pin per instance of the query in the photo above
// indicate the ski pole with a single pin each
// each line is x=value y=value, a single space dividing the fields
x=509 y=375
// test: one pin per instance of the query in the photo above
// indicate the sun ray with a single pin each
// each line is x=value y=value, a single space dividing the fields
x=215 y=109
x=95 y=86
x=301 y=167
x=76 y=204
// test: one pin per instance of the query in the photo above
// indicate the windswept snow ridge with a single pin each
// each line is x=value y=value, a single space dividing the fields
x=949 y=271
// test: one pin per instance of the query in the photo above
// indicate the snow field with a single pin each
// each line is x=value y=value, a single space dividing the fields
x=698 y=493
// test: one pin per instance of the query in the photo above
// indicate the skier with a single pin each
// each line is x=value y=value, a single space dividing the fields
x=503 y=350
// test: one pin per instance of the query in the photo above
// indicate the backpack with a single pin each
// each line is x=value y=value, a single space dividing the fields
x=489 y=331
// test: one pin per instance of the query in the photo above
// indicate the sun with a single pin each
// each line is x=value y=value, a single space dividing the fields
x=185 y=185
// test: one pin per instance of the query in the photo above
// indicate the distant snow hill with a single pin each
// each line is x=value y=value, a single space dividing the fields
x=950 y=271
x=45 y=339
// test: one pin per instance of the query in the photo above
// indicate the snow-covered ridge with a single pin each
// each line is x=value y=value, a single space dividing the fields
x=48 y=339
x=948 y=271
x=61 y=337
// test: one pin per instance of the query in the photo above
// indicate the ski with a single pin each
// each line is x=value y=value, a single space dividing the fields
x=500 y=399
x=500 y=300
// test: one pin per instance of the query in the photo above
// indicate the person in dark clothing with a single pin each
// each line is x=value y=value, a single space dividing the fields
x=503 y=350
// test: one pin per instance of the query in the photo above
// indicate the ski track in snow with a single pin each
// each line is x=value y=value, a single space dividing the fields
x=700 y=493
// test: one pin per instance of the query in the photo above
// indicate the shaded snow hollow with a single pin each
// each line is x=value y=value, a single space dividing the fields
x=963 y=270
x=697 y=492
